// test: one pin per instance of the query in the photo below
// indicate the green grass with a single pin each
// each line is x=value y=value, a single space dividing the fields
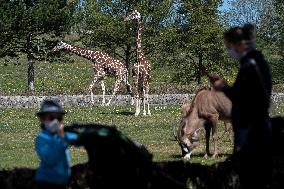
x=74 y=78
x=19 y=127
x=50 y=78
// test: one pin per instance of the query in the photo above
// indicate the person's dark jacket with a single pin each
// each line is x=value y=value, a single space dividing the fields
x=250 y=94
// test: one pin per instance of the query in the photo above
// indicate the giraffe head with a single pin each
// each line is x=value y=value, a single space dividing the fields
x=134 y=15
x=59 y=46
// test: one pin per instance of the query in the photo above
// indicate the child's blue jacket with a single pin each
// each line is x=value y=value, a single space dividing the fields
x=54 y=157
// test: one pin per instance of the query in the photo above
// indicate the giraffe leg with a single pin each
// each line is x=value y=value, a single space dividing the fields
x=104 y=91
x=147 y=98
x=136 y=94
x=129 y=90
x=116 y=87
x=91 y=88
x=144 y=103
x=138 y=102
x=132 y=101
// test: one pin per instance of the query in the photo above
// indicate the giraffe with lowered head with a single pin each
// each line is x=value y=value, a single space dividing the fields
x=141 y=69
x=104 y=65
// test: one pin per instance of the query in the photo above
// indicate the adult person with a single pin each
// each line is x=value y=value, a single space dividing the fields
x=250 y=96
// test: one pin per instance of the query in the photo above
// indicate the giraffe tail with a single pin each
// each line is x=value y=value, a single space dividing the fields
x=128 y=87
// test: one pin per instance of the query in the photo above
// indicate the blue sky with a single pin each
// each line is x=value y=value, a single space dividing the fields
x=225 y=5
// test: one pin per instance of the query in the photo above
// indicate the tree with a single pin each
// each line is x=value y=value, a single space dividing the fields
x=101 y=26
x=199 y=37
x=267 y=15
x=25 y=24
x=261 y=13
x=277 y=37
x=278 y=29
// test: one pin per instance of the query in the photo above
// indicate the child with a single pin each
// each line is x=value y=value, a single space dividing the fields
x=51 y=147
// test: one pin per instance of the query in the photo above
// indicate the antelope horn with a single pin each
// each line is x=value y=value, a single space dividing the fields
x=175 y=133
x=195 y=134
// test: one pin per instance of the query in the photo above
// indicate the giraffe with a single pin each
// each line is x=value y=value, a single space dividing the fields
x=141 y=69
x=104 y=65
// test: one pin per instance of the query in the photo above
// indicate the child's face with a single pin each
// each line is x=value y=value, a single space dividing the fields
x=48 y=117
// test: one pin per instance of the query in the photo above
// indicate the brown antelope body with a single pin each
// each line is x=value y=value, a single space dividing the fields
x=202 y=113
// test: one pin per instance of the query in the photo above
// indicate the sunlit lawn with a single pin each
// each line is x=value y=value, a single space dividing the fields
x=18 y=128
x=75 y=78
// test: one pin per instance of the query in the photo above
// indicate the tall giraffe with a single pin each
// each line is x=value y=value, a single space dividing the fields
x=104 y=65
x=141 y=69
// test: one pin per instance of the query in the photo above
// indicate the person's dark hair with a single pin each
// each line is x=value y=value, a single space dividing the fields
x=237 y=34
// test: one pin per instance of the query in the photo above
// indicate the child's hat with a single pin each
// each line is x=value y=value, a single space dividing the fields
x=50 y=106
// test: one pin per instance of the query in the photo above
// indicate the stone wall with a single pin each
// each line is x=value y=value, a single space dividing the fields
x=85 y=100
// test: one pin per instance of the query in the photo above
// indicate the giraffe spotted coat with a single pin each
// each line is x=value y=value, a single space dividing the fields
x=104 y=65
x=141 y=70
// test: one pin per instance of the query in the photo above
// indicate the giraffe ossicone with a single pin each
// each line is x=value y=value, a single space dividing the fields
x=104 y=65
x=134 y=15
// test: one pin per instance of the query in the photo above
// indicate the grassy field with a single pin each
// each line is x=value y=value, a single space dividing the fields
x=75 y=78
x=19 y=127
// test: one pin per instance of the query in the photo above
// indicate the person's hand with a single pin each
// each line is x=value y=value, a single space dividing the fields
x=219 y=84
x=61 y=131
x=214 y=78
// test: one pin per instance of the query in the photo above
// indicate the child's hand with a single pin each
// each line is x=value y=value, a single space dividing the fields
x=61 y=130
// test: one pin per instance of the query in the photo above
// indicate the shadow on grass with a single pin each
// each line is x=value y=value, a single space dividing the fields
x=201 y=155
x=176 y=156
x=124 y=113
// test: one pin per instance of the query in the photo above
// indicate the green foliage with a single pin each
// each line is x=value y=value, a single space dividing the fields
x=268 y=17
x=197 y=39
x=277 y=70
x=178 y=36
x=278 y=29
x=101 y=25
x=30 y=27
x=275 y=42
x=42 y=19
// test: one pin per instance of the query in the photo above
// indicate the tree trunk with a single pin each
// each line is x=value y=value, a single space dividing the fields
x=31 y=63
x=199 y=71
x=127 y=57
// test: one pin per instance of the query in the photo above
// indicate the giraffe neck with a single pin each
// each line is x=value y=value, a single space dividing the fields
x=85 y=53
x=139 y=41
